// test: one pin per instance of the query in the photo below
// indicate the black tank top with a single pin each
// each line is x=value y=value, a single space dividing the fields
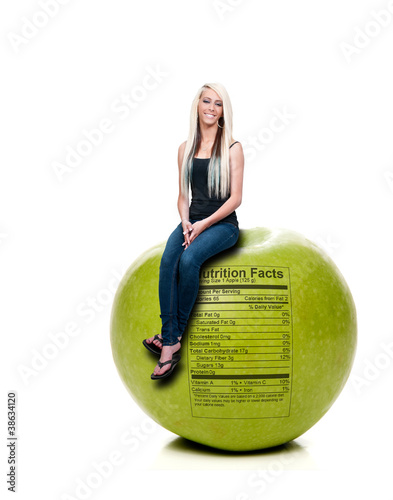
x=203 y=205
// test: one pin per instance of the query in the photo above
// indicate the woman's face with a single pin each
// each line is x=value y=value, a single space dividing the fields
x=210 y=107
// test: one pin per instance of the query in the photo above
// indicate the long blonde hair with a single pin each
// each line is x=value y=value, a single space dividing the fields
x=218 y=172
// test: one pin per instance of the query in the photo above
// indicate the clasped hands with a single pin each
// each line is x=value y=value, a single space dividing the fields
x=191 y=231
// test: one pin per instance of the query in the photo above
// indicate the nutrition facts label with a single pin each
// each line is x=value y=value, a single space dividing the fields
x=240 y=343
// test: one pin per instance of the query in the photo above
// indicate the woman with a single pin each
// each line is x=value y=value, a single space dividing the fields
x=212 y=163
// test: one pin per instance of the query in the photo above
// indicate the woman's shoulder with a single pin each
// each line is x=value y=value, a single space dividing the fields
x=182 y=147
x=236 y=154
x=235 y=149
x=180 y=152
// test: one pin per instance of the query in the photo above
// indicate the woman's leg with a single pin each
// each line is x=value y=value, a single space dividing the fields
x=212 y=241
x=168 y=286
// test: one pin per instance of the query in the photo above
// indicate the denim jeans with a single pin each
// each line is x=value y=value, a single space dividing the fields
x=179 y=274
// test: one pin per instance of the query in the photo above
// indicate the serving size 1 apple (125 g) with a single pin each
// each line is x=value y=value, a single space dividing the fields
x=268 y=348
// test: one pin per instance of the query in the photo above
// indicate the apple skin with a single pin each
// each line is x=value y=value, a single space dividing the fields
x=324 y=330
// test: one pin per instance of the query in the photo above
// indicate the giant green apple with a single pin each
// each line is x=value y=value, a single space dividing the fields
x=269 y=344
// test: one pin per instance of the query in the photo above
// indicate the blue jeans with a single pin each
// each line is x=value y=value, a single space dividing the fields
x=179 y=274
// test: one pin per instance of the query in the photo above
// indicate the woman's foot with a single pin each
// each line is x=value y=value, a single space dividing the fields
x=156 y=340
x=166 y=355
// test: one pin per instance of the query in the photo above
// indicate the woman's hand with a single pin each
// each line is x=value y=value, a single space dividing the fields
x=197 y=228
x=187 y=229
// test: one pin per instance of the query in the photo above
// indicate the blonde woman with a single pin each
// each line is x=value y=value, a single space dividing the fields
x=211 y=163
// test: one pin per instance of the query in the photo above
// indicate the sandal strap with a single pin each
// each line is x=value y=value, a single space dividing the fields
x=164 y=363
x=175 y=357
x=156 y=337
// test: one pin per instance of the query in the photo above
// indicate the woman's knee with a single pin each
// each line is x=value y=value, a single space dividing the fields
x=172 y=251
x=188 y=261
x=169 y=261
x=166 y=259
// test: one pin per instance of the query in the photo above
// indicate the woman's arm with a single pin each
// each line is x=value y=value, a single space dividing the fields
x=236 y=162
x=183 y=201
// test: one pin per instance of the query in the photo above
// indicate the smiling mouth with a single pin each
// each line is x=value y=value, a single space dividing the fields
x=210 y=115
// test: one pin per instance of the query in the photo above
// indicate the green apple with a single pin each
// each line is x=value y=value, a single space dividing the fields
x=268 y=348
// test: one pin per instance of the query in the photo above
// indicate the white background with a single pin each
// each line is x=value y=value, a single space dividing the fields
x=66 y=239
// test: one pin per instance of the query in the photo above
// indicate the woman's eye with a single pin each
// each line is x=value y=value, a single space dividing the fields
x=206 y=101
